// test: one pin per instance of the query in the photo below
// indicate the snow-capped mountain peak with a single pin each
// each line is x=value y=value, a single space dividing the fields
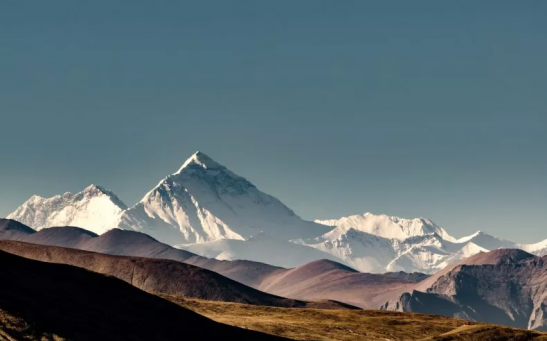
x=201 y=160
x=94 y=208
x=205 y=201
x=388 y=226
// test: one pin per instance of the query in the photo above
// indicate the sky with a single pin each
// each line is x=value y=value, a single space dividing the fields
x=407 y=108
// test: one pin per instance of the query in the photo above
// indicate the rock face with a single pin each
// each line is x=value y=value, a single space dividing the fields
x=505 y=286
x=95 y=209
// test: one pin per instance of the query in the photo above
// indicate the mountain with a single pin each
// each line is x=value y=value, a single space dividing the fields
x=208 y=210
x=43 y=301
x=356 y=289
x=388 y=227
x=360 y=250
x=95 y=209
x=538 y=249
x=153 y=275
x=380 y=243
x=504 y=286
x=261 y=248
x=135 y=244
x=204 y=201
x=325 y=279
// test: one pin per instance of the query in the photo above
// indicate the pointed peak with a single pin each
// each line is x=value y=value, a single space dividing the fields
x=95 y=189
x=201 y=160
x=477 y=234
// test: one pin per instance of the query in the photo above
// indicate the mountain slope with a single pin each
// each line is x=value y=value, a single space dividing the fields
x=260 y=249
x=130 y=243
x=95 y=209
x=64 y=236
x=38 y=300
x=204 y=201
x=152 y=275
x=504 y=286
x=324 y=279
x=379 y=243
x=13 y=230
x=358 y=249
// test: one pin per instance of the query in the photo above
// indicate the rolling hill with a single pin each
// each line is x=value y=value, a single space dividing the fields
x=40 y=301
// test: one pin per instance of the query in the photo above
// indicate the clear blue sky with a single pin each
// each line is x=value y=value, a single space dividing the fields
x=409 y=108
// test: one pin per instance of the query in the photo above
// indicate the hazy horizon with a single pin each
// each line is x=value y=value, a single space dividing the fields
x=432 y=109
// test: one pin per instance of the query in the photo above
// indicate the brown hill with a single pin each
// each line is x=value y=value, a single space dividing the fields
x=131 y=243
x=320 y=280
x=153 y=275
x=41 y=301
x=66 y=236
x=325 y=279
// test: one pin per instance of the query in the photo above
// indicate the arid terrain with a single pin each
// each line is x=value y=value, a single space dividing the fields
x=352 y=325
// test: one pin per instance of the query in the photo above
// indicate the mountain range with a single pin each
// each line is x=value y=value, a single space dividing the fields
x=157 y=275
x=504 y=286
x=207 y=209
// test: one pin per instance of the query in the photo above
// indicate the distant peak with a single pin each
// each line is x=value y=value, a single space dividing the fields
x=201 y=160
x=95 y=189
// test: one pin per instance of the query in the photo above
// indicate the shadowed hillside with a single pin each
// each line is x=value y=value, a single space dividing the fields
x=41 y=301
x=136 y=244
x=154 y=275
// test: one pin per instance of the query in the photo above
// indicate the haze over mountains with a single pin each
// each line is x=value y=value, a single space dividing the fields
x=504 y=286
x=207 y=209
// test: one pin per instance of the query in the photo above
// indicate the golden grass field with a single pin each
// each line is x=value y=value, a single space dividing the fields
x=354 y=325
